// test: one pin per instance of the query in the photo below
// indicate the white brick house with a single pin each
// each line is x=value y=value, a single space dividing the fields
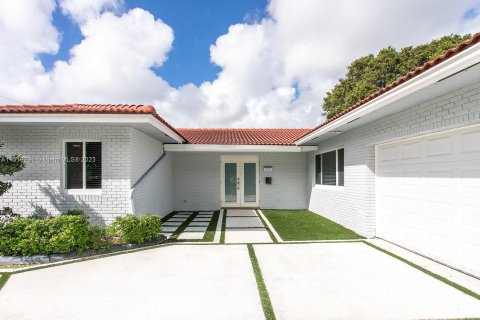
x=403 y=164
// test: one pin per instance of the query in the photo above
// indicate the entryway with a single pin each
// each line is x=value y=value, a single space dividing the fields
x=240 y=181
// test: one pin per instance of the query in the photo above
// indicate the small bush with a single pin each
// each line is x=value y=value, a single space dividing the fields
x=7 y=215
x=63 y=234
x=74 y=212
x=136 y=229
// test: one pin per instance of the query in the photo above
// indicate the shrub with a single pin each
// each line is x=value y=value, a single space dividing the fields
x=74 y=212
x=7 y=215
x=136 y=229
x=28 y=236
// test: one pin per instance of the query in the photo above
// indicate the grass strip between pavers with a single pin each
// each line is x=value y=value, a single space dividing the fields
x=224 y=226
x=212 y=228
x=182 y=227
x=262 y=288
x=3 y=279
x=270 y=233
x=430 y=273
x=168 y=216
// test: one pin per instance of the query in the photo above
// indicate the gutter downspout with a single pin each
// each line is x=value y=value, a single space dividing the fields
x=144 y=175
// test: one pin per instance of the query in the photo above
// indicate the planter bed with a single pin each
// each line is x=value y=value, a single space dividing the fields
x=48 y=258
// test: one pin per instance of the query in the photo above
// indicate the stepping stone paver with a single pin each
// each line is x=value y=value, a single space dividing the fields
x=176 y=220
x=241 y=213
x=244 y=222
x=247 y=236
x=202 y=220
x=169 y=229
x=191 y=236
x=172 y=224
x=198 y=224
x=196 y=229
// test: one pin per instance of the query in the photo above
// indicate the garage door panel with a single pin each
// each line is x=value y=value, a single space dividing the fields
x=439 y=147
x=428 y=196
x=439 y=245
x=470 y=142
x=411 y=151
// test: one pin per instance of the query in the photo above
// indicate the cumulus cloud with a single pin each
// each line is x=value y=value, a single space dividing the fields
x=274 y=71
x=84 y=10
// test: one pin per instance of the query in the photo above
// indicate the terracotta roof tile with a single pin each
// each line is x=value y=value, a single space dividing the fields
x=87 y=109
x=419 y=70
x=227 y=136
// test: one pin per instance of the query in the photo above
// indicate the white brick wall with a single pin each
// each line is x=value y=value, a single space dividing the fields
x=196 y=181
x=154 y=193
x=354 y=206
x=39 y=187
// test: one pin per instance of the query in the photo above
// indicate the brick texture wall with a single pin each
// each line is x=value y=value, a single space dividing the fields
x=39 y=187
x=154 y=193
x=197 y=181
x=354 y=205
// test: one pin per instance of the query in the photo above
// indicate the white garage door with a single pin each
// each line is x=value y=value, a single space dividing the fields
x=428 y=196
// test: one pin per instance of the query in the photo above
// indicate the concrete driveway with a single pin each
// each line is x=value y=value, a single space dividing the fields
x=305 y=281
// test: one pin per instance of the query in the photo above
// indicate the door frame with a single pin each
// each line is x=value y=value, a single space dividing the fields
x=239 y=160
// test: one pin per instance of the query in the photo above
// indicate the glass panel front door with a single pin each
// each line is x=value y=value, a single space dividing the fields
x=249 y=182
x=230 y=181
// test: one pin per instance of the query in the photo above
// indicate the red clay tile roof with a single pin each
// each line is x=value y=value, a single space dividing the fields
x=88 y=109
x=419 y=70
x=242 y=136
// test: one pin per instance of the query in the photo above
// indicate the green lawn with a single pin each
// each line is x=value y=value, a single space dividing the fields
x=296 y=225
x=3 y=279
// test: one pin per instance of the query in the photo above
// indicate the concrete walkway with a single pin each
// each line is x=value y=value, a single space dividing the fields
x=174 y=282
x=244 y=226
x=304 y=281
x=354 y=281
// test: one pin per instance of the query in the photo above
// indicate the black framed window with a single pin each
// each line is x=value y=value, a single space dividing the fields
x=329 y=168
x=83 y=165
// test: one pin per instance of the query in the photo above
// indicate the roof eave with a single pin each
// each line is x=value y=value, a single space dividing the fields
x=459 y=62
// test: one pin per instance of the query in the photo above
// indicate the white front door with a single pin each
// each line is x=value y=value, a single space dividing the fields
x=428 y=196
x=240 y=181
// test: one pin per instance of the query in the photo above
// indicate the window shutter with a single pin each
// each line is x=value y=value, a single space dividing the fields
x=93 y=165
x=318 y=169
x=74 y=165
x=329 y=171
x=341 y=174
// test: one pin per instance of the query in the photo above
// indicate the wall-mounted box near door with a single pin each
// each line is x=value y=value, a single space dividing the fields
x=268 y=180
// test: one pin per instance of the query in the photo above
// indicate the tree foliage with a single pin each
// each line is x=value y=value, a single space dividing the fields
x=372 y=72
x=8 y=166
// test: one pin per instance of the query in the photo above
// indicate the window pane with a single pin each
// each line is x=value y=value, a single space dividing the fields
x=230 y=182
x=250 y=184
x=329 y=173
x=93 y=165
x=74 y=165
x=318 y=169
x=340 y=167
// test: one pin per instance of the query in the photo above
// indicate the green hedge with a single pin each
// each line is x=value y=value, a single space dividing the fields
x=136 y=229
x=63 y=234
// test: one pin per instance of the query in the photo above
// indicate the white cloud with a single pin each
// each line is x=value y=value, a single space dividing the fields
x=112 y=64
x=274 y=72
x=84 y=10
x=26 y=30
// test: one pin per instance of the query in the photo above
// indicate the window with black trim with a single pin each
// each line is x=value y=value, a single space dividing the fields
x=329 y=168
x=83 y=165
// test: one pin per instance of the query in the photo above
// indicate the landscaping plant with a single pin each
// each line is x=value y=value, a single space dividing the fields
x=136 y=229
x=63 y=234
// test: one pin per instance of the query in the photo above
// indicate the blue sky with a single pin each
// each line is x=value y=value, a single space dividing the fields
x=196 y=25
x=271 y=65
